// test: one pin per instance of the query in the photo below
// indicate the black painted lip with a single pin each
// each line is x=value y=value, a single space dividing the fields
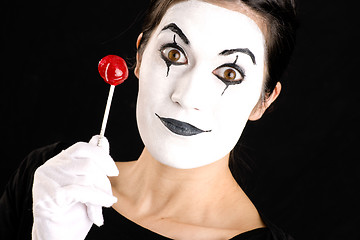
x=180 y=128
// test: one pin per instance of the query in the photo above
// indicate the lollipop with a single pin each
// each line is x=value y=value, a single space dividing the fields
x=114 y=71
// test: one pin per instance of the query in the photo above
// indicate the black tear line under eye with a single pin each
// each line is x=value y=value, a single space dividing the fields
x=228 y=83
x=167 y=61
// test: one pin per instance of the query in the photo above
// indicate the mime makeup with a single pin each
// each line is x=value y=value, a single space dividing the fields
x=230 y=75
x=186 y=118
x=241 y=50
x=172 y=57
x=173 y=27
x=181 y=128
x=172 y=54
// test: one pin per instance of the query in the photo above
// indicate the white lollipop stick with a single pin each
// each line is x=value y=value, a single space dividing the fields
x=106 y=114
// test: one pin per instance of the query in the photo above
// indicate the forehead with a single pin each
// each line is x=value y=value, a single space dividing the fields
x=217 y=26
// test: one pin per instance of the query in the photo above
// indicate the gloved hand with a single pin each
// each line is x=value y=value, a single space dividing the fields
x=70 y=189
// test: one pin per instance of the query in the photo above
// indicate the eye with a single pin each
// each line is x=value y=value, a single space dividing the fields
x=230 y=74
x=173 y=55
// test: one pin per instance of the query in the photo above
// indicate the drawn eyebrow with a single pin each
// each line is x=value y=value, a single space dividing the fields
x=173 y=27
x=241 y=50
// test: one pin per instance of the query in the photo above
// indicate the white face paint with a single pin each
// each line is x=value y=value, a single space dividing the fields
x=183 y=81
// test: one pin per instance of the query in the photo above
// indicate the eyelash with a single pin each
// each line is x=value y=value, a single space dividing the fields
x=174 y=45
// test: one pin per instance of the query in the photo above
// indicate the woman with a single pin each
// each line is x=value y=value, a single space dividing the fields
x=204 y=69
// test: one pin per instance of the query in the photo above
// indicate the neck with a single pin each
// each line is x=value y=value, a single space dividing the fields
x=194 y=176
x=157 y=187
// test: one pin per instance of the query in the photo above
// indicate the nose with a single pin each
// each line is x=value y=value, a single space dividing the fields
x=194 y=90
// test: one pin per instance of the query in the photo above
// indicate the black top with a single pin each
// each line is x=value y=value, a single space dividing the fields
x=16 y=217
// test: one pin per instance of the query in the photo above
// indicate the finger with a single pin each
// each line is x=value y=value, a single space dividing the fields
x=104 y=143
x=88 y=195
x=96 y=154
x=95 y=214
x=83 y=166
x=96 y=180
x=113 y=171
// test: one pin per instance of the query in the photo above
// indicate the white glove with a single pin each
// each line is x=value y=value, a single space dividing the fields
x=70 y=189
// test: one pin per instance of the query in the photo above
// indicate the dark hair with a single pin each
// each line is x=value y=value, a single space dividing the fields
x=281 y=24
x=153 y=16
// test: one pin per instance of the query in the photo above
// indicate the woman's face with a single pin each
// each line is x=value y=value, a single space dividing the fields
x=201 y=75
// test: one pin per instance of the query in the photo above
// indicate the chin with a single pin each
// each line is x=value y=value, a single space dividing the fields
x=186 y=157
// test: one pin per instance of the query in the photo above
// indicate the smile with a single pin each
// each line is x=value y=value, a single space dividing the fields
x=180 y=128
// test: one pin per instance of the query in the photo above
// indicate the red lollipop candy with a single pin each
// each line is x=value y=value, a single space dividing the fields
x=113 y=69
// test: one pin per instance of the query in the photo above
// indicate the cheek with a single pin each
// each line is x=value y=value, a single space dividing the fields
x=231 y=122
x=150 y=71
x=235 y=108
x=153 y=74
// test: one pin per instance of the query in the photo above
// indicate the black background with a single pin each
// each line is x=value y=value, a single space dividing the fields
x=306 y=173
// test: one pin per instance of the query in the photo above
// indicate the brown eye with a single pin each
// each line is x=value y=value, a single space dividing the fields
x=229 y=74
x=173 y=55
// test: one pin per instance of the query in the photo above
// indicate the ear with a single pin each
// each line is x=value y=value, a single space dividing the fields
x=258 y=111
x=137 y=67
